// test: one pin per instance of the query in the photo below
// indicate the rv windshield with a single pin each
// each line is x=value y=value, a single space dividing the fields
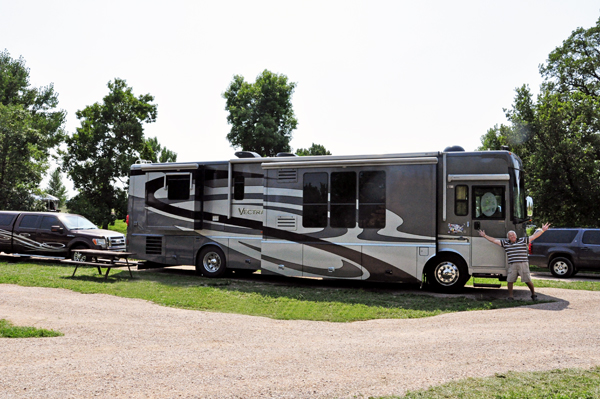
x=76 y=222
x=519 y=200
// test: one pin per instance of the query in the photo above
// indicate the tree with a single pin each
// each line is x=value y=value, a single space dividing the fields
x=557 y=135
x=260 y=114
x=21 y=163
x=102 y=150
x=30 y=127
x=154 y=152
x=57 y=188
x=315 y=149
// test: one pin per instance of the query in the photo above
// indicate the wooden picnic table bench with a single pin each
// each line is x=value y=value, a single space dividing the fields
x=100 y=258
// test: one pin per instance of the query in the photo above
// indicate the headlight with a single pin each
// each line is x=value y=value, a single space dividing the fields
x=100 y=242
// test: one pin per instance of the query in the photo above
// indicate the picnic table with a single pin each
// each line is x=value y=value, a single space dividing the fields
x=100 y=258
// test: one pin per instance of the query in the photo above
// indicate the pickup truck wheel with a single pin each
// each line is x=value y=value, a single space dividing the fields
x=211 y=262
x=77 y=256
x=447 y=274
x=561 y=267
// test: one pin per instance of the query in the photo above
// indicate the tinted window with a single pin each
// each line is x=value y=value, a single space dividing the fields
x=48 y=222
x=343 y=199
x=488 y=202
x=238 y=187
x=371 y=200
x=6 y=220
x=314 y=200
x=29 y=221
x=591 y=237
x=178 y=187
x=461 y=200
x=557 y=236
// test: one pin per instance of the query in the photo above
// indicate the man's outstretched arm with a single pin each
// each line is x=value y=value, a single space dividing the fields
x=539 y=232
x=490 y=239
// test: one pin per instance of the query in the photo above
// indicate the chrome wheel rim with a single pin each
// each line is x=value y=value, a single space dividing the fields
x=560 y=268
x=211 y=262
x=446 y=273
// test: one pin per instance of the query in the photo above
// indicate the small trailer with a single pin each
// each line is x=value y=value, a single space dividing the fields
x=390 y=218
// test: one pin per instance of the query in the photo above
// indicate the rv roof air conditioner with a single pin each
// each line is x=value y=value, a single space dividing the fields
x=286 y=154
x=247 y=154
x=454 y=148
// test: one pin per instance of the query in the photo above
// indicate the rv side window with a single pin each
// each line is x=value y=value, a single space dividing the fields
x=343 y=199
x=178 y=187
x=314 y=200
x=488 y=202
x=238 y=188
x=461 y=200
x=371 y=200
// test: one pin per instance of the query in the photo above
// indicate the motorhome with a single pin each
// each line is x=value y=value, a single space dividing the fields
x=392 y=218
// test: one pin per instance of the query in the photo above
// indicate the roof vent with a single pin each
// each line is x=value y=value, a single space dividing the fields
x=247 y=154
x=286 y=154
x=454 y=148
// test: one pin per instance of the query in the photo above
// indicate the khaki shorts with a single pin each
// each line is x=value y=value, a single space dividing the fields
x=518 y=269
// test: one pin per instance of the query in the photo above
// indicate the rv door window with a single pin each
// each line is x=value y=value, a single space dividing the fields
x=238 y=188
x=488 y=202
x=314 y=200
x=178 y=187
x=343 y=199
x=371 y=200
x=461 y=200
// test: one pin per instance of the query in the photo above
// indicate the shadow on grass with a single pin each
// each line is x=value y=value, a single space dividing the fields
x=388 y=295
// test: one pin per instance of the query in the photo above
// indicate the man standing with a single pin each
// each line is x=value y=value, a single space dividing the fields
x=518 y=262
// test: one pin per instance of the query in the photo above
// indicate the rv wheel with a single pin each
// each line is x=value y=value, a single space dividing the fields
x=211 y=262
x=447 y=274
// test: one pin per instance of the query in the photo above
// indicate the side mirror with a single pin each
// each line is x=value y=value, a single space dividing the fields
x=56 y=229
x=529 y=206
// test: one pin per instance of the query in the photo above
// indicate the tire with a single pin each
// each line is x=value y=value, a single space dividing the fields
x=211 y=262
x=561 y=267
x=77 y=257
x=447 y=274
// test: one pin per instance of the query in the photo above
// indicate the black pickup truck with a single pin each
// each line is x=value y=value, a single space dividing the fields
x=566 y=251
x=53 y=234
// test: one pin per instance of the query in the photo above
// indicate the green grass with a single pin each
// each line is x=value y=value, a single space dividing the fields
x=288 y=299
x=557 y=384
x=119 y=227
x=7 y=330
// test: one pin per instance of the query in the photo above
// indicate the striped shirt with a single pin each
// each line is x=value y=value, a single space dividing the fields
x=517 y=251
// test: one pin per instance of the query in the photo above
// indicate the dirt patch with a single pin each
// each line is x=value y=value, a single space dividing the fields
x=118 y=347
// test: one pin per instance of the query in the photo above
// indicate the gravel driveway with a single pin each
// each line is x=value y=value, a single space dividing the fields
x=118 y=347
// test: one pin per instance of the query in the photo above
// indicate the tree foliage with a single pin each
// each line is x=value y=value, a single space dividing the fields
x=557 y=134
x=153 y=151
x=57 y=188
x=314 y=149
x=102 y=150
x=260 y=114
x=30 y=127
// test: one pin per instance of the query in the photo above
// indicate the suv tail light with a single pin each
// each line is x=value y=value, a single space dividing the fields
x=127 y=220
x=529 y=248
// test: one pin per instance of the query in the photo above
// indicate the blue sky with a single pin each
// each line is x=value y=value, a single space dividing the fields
x=372 y=76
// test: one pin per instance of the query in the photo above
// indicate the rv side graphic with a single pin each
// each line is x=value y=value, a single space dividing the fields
x=396 y=217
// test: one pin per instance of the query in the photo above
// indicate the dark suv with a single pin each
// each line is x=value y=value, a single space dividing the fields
x=566 y=251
